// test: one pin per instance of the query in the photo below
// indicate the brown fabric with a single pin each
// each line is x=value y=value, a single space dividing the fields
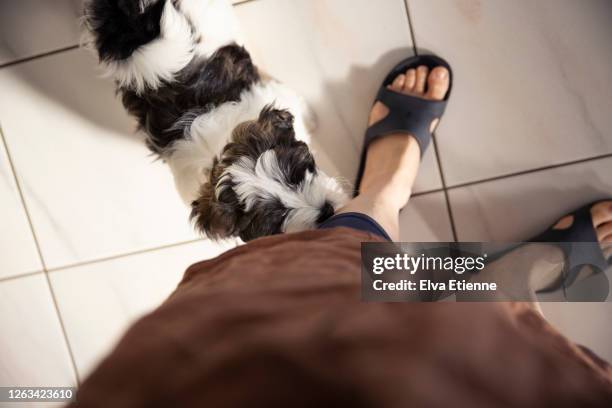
x=279 y=323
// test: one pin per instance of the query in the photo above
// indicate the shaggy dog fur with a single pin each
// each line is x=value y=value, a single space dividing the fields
x=236 y=142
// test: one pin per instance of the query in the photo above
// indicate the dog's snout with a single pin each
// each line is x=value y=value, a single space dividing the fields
x=326 y=212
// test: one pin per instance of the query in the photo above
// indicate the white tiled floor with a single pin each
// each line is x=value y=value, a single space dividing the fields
x=113 y=293
x=516 y=208
x=118 y=186
x=16 y=238
x=31 y=27
x=533 y=82
x=110 y=225
x=34 y=351
x=495 y=210
x=426 y=219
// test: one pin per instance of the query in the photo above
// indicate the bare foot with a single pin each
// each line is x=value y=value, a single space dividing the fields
x=601 y=214
x=392 y=162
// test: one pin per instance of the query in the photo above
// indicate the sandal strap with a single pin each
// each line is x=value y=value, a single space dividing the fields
x=407 y=114
x=581 y=230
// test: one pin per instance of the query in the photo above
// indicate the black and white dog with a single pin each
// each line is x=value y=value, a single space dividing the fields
x=236 y=141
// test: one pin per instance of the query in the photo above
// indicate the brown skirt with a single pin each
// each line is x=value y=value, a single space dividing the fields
x=279 y=322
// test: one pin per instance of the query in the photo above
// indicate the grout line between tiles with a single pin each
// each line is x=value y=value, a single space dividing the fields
x=21 y=197
x=422 y=193
x=242 y=2
x=534 y=170
x=63 y=327
x=434 y=140
x=122 y=255
x=40 y=256
x=449 y=208
x=37 y=56
x=23 y=275
x=410 y=27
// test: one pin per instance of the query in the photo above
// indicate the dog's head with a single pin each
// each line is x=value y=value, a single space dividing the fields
x=265 y=182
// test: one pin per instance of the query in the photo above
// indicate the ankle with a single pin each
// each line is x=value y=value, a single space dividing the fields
x=391 y=194
x=391 y=167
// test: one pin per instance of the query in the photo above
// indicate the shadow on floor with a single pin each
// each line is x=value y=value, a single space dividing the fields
x=73 y=80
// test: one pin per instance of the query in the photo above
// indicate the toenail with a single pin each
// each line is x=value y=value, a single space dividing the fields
x=441 y=74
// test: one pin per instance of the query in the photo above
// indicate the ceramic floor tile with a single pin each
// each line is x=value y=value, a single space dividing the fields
x=16 y=240
x=92 y=187
x=425 y=219
x=531 y=82
x=30 y=27
x=98 y=301
x=335 y=53
x=516 y=208
x=520 y=207
x=32 y=347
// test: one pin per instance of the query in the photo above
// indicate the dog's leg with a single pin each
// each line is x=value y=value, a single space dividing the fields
x=213 y=22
